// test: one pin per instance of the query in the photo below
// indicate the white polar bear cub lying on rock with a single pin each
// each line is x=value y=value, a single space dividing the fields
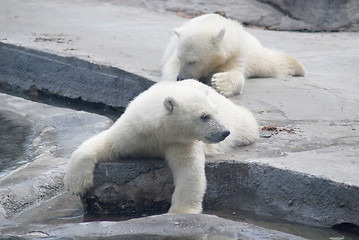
x=178 y=121
x=219 y=52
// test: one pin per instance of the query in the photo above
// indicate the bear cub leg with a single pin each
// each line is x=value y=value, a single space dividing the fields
x=189 y=177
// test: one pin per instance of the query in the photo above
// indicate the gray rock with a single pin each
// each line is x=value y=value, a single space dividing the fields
x=144 y=186
x=14 y=135
x=54 y=133
x=32 y=73
x=321 y=15
x=169 y=226
x=130 y=187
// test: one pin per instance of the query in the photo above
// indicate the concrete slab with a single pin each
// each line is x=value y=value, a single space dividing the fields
x=129 y=38
x=50 y=78
x=321 y=108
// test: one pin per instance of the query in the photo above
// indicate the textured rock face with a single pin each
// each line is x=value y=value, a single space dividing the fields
x=43 y=137
x=130 y=187
x=328 y=15
x=144 y=186
x=319 y=15
x=160 y=227
x=67 y=78
x=14 y=132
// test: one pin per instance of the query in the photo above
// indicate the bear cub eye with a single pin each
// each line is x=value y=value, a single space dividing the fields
x=191 y=62
x=205 y=117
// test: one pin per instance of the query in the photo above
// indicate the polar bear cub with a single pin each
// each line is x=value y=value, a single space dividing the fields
x=219 y=52
x=178 y=121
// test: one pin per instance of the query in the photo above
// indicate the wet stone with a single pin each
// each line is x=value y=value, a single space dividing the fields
x=141 y=187
x=133 y=187
x=15 y=132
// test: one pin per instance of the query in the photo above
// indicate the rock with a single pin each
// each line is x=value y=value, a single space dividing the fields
x=144 y=186
x=14 y=132
x=38 y=75
x=161 y=227
x=130 y=187
x=51 y=134
x=321 y=15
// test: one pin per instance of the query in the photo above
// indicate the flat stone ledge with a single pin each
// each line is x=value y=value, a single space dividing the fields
x=133 y=187
x=28 y=73
x=144 y=186
x=179 y=226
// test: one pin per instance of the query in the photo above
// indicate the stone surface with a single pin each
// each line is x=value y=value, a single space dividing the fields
x=94 y=31
x=180 y=226
x=298 y=15
x=136 y=187
x=279 y=193
x=131 y=188
x=54 y=133
x=14 y=132
x=32 y=73
x=322 y=15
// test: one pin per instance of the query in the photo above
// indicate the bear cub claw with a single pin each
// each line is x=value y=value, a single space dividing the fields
x=220 y=81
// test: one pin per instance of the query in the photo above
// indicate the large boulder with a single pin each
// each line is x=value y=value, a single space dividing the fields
x=297 y=15
x=327 y=15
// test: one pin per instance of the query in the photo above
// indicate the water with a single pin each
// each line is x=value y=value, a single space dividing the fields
x=301 y=230
x=158 y=237
x=40 y=235
x=15 y=132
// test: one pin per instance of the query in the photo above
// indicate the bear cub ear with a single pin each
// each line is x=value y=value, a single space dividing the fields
x=178 y=32
x=217 y=38
x=170 y=104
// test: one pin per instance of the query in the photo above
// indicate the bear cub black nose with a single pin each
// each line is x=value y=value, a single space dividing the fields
x=225 y=134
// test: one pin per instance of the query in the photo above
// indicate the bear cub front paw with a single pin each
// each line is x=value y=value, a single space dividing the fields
x=225 y=84
x=78 y=181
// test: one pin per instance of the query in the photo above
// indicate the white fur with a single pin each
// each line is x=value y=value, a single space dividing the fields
x=219 y=52
x=168 y=121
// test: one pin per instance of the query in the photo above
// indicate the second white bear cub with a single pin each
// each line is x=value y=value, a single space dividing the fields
x=219 y=52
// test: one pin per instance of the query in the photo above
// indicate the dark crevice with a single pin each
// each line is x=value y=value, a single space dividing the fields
x=78 y=104
x=279 y=9
x=347 y=228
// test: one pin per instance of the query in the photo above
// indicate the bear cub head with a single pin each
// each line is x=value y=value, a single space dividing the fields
x=193 y=117
x=199 y=53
